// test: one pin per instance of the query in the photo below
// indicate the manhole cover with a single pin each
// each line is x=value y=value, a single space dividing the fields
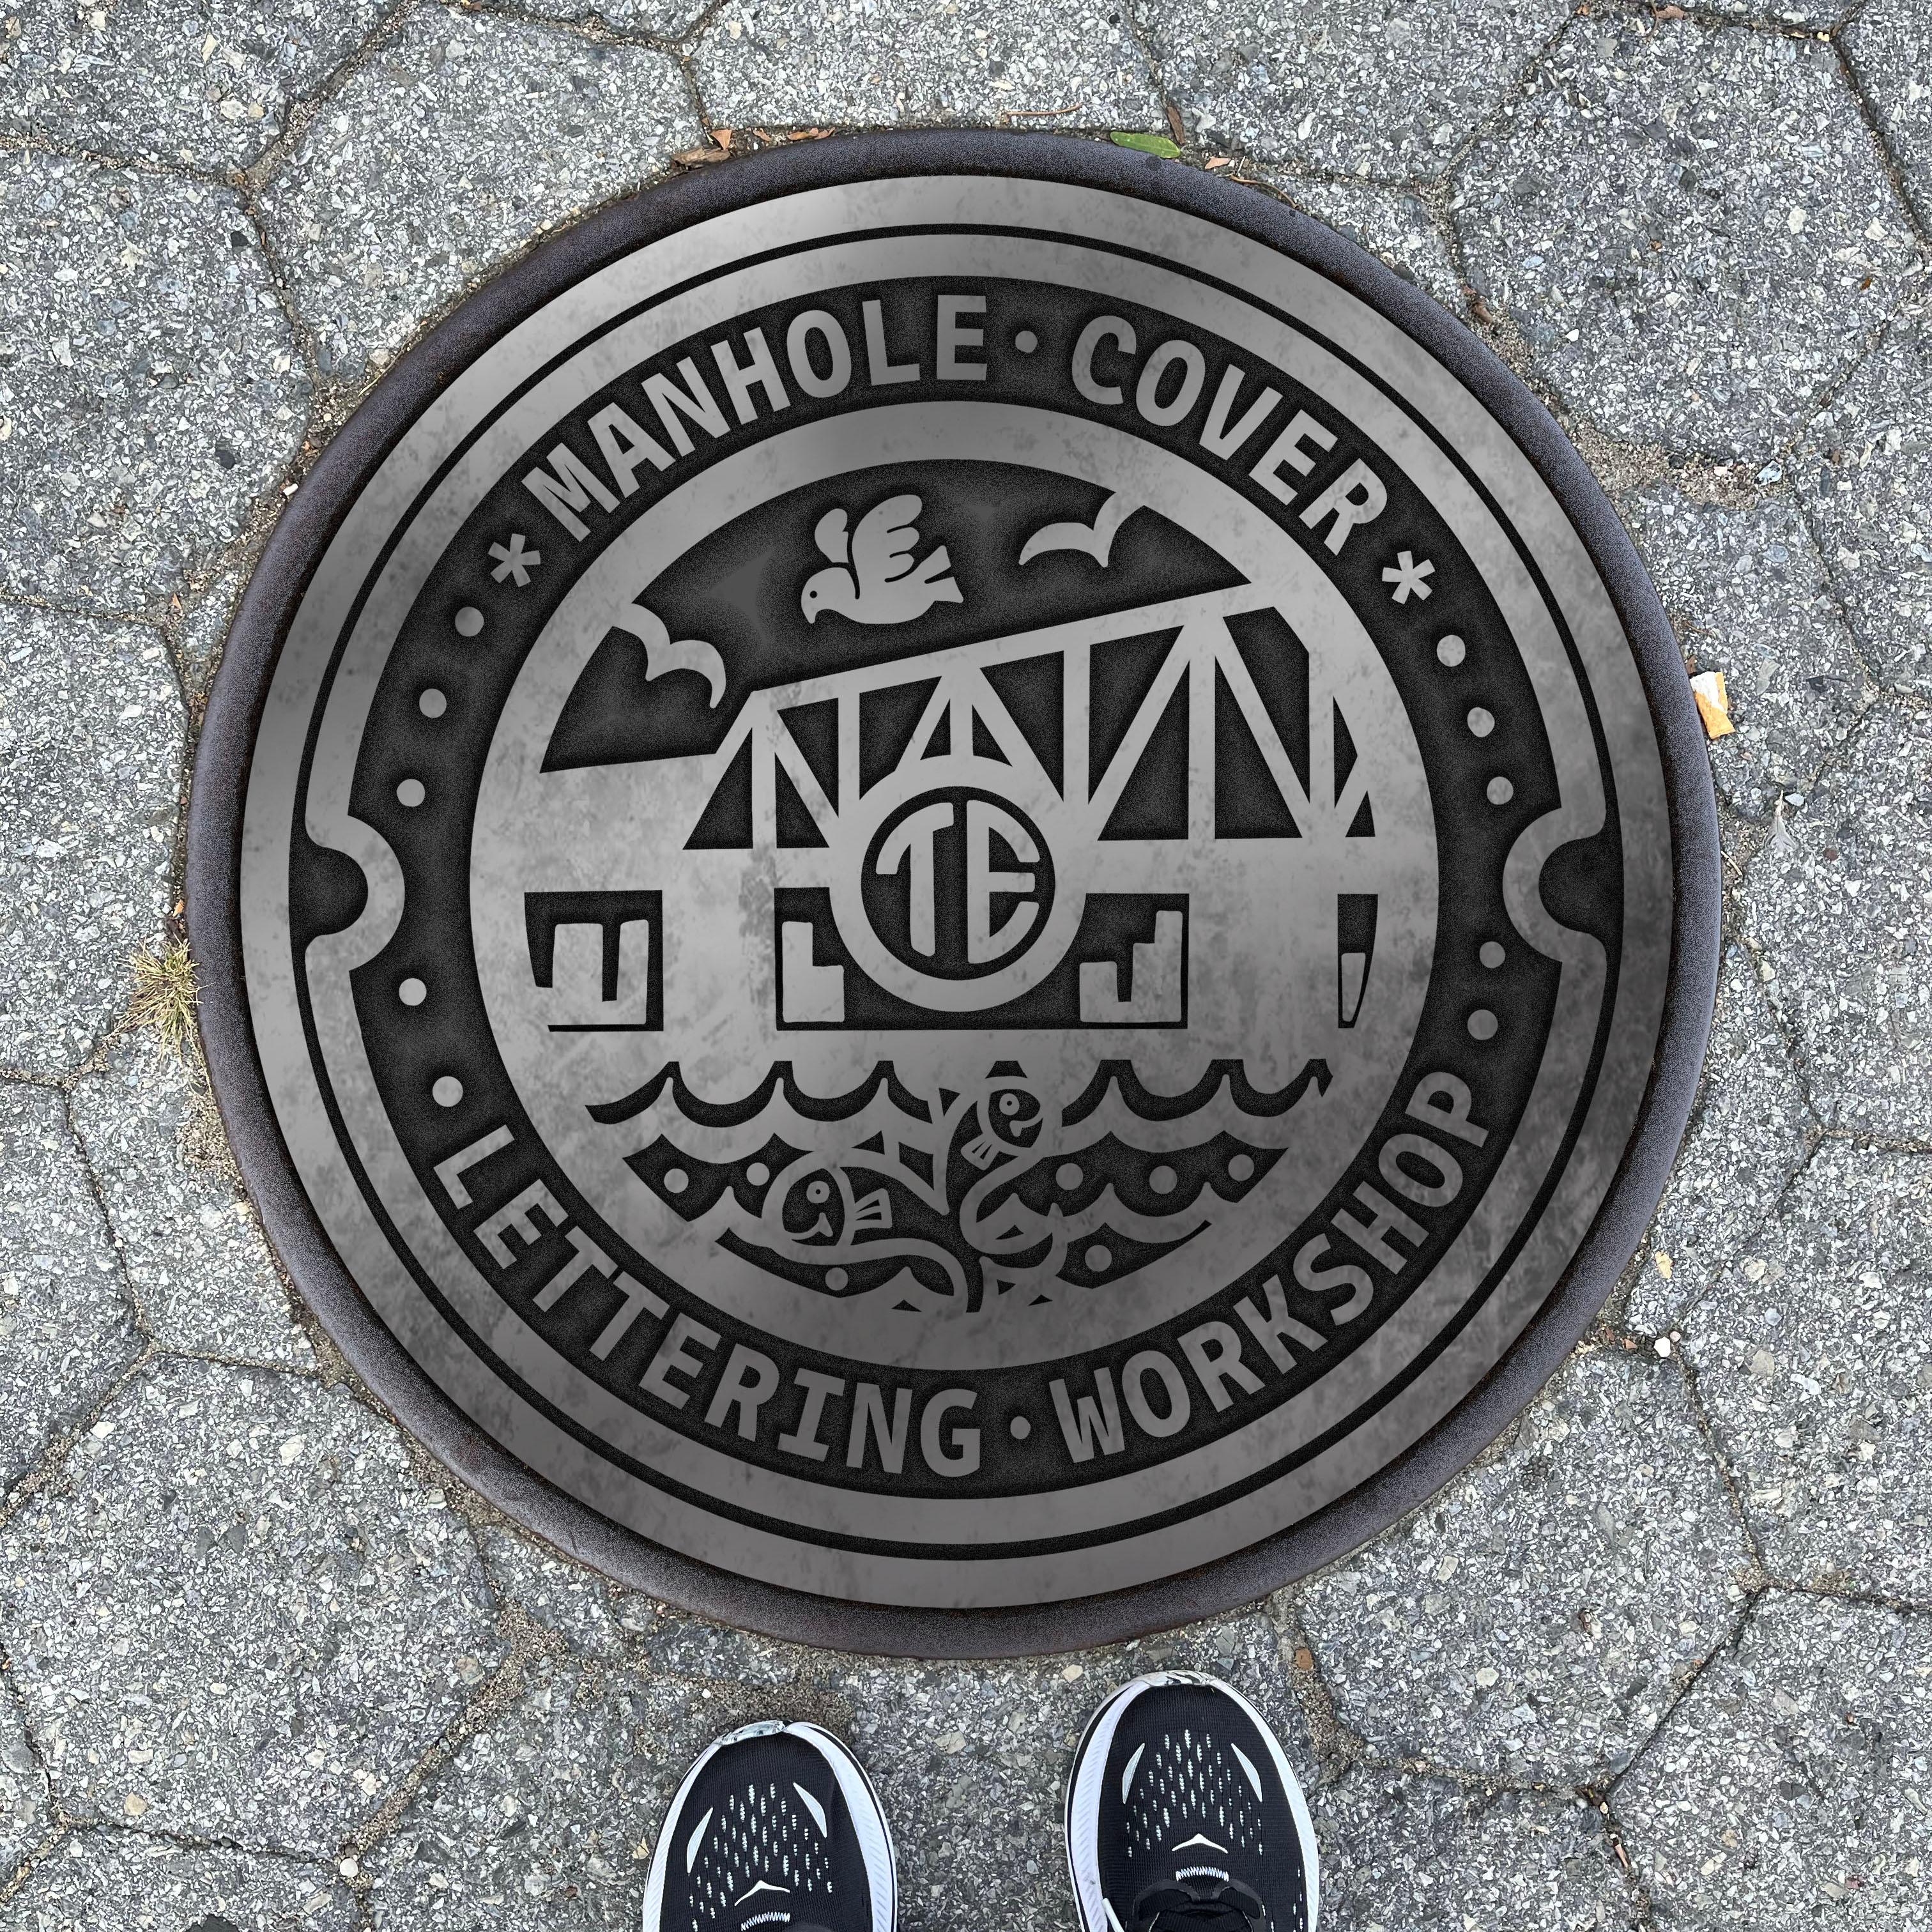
x=955 y=893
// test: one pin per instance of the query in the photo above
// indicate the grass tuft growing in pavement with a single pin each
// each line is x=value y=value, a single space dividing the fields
x=165 y=993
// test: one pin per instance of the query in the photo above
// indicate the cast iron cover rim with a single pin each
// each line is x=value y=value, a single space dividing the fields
x=213 y=859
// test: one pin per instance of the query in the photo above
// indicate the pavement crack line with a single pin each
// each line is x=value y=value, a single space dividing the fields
x=107 y=1825
x=590 y=26
x=1707 y=1430
x=31 y=1859
x=1620 y=464
x=243 y=1365
x=1517 y=91
x=1337 y=1747
x=107 y=157
x=1869 y=658
x=1836 y=760
x=687 y=67
x=302 y=110
x=144 y=1324
x=1598 y=1799
x=60 y=1444
x=1139 y=33
x=1911 y=291
x=26 y=600
x=1790 y=1044
x=1869 y=1143
x=1888 y=160
x=306 y=343
x=1729 y=1643
x=18 y=1703
x=1768 y=24
x=528 y=1642
x=1299 y=169
x=1875 y=1599
x=41 y=1083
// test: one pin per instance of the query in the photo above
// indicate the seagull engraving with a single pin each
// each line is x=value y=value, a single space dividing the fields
x=662 y=656
x=1095 y=540
x=882 y=586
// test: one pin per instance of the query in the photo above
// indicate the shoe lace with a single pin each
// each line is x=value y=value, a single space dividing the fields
x=1230 y=1909
x=1204 y=1917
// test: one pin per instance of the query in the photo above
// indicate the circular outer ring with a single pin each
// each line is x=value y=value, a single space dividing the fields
x=214 y=830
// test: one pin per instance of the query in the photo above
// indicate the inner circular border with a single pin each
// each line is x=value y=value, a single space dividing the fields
x=215 y=824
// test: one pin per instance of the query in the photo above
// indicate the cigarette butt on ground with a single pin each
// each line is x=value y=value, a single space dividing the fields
x=1714 y=703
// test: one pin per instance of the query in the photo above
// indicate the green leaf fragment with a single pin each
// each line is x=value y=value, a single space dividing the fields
x=1146 y=144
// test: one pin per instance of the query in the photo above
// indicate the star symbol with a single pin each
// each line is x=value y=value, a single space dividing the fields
x=516 y=559
x=1408 y=576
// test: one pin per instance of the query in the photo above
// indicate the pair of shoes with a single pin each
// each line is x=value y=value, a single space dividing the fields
x=1182 y=1816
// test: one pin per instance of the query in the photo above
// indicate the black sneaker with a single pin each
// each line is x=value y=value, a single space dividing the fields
x=1182 y=1816
x=774 y=1825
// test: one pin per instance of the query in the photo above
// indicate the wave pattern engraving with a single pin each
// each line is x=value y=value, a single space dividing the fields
x=962 y=1198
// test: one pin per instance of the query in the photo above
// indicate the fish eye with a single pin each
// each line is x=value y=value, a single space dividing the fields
x=1009 y=1104
x=818 y=1191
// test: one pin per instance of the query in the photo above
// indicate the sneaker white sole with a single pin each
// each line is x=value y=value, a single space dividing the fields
x=862 y=1801
x=1084 y=1782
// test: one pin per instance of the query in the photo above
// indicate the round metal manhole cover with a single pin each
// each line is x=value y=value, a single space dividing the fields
x=955 y=894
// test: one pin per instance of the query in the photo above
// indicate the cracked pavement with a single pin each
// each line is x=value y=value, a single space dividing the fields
x=1664 y=1657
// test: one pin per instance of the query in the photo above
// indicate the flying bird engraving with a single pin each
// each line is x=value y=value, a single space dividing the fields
x=882 y=585
x=662 y=656
x=1095 y=540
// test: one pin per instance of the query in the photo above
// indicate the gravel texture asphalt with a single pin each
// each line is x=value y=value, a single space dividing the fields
x=1663 y=1657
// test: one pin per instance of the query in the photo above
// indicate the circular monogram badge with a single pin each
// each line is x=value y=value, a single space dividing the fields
x=940 y=879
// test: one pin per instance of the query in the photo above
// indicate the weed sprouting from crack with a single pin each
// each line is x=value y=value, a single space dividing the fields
x=165 y=995
x=163 y=1005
